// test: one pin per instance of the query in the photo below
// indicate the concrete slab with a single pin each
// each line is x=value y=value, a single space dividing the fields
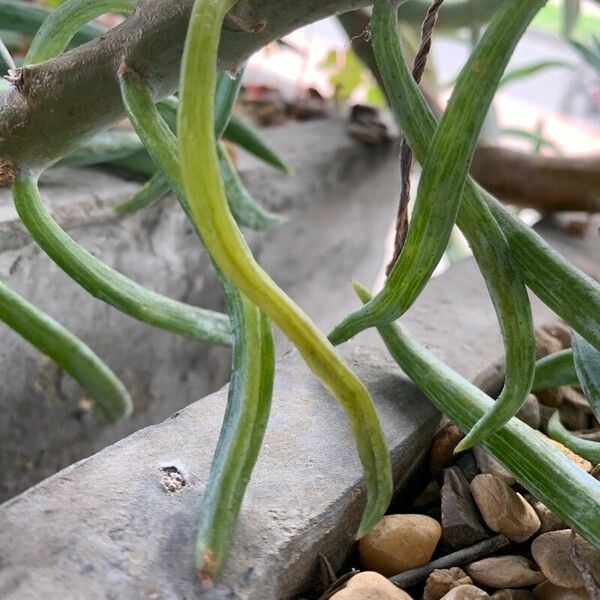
x=330 y=202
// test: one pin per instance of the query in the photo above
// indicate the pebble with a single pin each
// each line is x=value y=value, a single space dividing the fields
x=430 y=495
x=370 y=586
x=529 y=413
x=468 y=465
x=510 y=571
x=441 y=452
x=572 y=417
x=504 y=510
x=552 y=552
x=546 y=344
x=561 y=332
x=466 y=592
x=441 y=581
x=577 y=399
x=586 y=465
x=399 y=543
x=552 y=397
x=512 y=595
x=461 y=525
x=549 y=591
x=488 y=464
x=550 y=522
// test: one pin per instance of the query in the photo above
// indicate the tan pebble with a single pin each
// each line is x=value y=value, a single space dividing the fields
x=572 y=417
x=441 y=581
x=399 y=543
x=504 y=510
x=512 y=595
x=546 y=344
x=552 y=552
x=577 y=399
x=552 y=397
x=586 y=465
x=529 y=413
x=441 y=452
x=550 y=522
x=549 y=591
x=466 y=592
x=488 y=464
x=560 y=331
x=370 y=586
x=510 y=571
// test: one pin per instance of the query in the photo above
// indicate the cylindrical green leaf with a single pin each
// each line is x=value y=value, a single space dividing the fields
x=445 y=168
x=27 y=18
x=59 y=28
x=588 y=449
x=75 y=357
x=208 y=204
x=109 y=285
x=244 y=425
x=489 y=246
x=244 y=208
x=244 y=135
x=152 y=191
x=554 y=370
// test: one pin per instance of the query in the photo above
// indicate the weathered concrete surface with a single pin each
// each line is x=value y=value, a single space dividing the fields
x=329 y=200
x=106 y=527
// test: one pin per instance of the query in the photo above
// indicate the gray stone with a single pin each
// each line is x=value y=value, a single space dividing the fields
x=510 y=571
x=488 y=464
x=530 y=412
x=553 y=552
x=468 y=465
x=441 y=581
x=504 y=510
x=461 y=524
x=107 y=526
x=550 y=522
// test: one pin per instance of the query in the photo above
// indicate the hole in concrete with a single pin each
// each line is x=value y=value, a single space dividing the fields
x=172 y=480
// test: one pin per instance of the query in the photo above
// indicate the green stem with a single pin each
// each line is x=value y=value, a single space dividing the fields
x=69 y=352
x=549 y=475
x=107 y=284
x=208 y=204
x=585 y=448
x=446 y=165
x=59 y=28
x=244 y=425
x=555 y=370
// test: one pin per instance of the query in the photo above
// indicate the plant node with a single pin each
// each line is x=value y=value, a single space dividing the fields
x=17 y=78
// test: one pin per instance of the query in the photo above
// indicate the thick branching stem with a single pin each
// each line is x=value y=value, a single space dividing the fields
x=66 y=100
